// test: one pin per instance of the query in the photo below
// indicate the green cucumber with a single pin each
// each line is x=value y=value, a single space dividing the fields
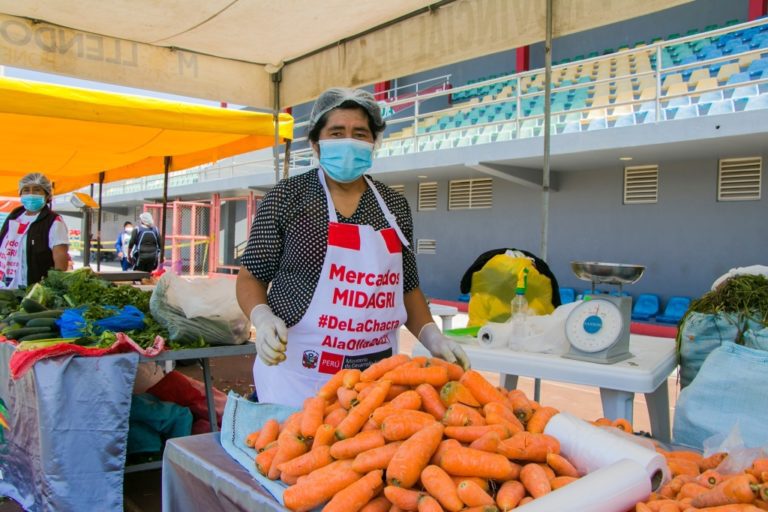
x=23 y=318
x=43 y=322
x=32 y=306
x=17 y=334
x=49 y=335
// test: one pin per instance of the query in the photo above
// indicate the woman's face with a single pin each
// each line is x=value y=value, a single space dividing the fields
x=346 y=123
x=36 y=190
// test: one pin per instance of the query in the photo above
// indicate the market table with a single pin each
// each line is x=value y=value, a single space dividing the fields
x=446 y=314
x=653 y=360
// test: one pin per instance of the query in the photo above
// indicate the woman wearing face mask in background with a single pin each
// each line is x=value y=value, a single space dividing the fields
x=33 y=239
x=329 y=274
x=121 y=245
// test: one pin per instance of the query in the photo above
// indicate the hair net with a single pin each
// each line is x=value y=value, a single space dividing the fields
x=146 y=219
x=36 y=178
x=335 y=96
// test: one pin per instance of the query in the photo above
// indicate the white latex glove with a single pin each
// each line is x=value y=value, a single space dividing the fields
x=271 y=335
x=442 y=346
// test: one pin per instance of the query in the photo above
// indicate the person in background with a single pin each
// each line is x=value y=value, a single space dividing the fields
x=329 y=273
x=121 y=245
x=144 y=244
x=34 y=238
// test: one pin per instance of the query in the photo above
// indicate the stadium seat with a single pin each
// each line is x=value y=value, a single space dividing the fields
x=646 y=306
x=725 y=72
x=624 y=120
x=679 y=93
x=745 y=91
x=756 y=102
x=683 y=112
x=705 y=84
x=567 y=295
x=719 y=107
x=674 y=310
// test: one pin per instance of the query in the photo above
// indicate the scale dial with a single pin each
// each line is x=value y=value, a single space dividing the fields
x=594 y=325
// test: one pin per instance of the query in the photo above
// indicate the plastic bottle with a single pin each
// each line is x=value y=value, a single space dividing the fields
x=519 y=307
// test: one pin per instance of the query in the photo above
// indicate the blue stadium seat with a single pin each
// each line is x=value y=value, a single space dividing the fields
x=719 y=107
x=646 y=306
x=745 y=91
x=567 y=295
x=757 y=66
x=756 y=102
x=684 y=112
x=675 y=310
x=627 y=120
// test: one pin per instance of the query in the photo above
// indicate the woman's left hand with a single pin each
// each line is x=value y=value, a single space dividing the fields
x=442 y=346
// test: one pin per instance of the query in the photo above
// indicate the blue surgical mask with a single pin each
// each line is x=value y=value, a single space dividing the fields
x=345 y=160
x=32 y=202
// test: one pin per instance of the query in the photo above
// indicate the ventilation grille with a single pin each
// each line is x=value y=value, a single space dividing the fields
x=400 y=189
x=641 y=184
x=470 y=194
x=427 y=196
x=425 y=246
x=738 y=179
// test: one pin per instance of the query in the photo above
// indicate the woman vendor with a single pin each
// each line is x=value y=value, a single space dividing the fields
x=329 y=274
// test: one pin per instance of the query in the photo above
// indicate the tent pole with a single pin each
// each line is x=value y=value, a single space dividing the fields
x=276 y=79
x=166 y=168
x=98 y=224
x=85 y=234
x=287 y=159
x=547 y=135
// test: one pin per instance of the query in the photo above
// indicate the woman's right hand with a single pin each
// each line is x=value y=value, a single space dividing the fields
x=271 y=335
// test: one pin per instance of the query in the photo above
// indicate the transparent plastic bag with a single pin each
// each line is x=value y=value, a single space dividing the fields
x=740 y=457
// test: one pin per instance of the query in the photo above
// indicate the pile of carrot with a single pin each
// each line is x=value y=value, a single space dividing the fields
x=698 y=486
x=413 y=434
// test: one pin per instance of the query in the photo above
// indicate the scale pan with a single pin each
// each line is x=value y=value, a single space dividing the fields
x=607 y=273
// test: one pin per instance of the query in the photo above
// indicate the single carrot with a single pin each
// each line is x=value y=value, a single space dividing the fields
x=265 y=457
x=360 y=386
x=456 y=392
x=406 y=499
x=309 y=493
x=310 y=461
x=347 y=397
x=480 y=388
x=444 y=445
x=454 y=371
x=547 y=470
x=351 y=377
x=736 y=489
x=661 y=504
x=428 y=504
x=683 y=467
x=379 y=368
x=292 y=422
x=561 y=481
x=438 y=483
x=405 y=376
x=396 y=390
x=460 y=415
x=369 y=425
x=709 y=478
x=267 y=434
x=334 y=417
x=759 y=465
x=622 y=424
x=605 y=422
x=328 y=390
x=509 y=494
x=472 y=495
x=349 y=448
x=526 y=500
x=354 y=497
x=671 y=488
x=375 y=458
x=529 y=447
x=430 y=400
x=535 y=480
x=413 y=455
x=404 y=424
x=712 y=461
x=314 y=408
x=495 y=412
x=354 y=421
x=472 y=433
x=540 y=418
x=409 y=400
x=691 y=489
x=379 y=504
x=521 y=406
x=288 y=478
x=251 y=438
x=561 y=465
x=289 y=445
x=688 y=455
x=488 y=442
x=484 y=483
x=470 y=462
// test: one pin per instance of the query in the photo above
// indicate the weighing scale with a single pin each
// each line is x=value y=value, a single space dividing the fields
x=598 y=328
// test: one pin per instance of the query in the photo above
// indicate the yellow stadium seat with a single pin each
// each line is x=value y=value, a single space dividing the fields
x=648 y=93
x=672 y=78
x=698 y=75
x=677 y=90
x=746 y=60
x=726 y=70
x=624 y=97
x=706 y=84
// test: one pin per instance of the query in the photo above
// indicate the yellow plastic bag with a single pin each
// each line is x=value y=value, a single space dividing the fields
x=493 y=288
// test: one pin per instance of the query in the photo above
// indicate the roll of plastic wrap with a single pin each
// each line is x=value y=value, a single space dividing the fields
x=616 y=487
x=590 y=448
x=494 y=335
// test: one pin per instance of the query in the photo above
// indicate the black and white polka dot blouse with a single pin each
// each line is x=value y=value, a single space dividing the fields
x=290 y=233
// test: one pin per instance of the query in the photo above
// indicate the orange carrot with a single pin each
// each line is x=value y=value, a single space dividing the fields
x=690 y=490
x=761 y=504
x=683 y=467
x=310 y=461
x=404 y=424
x=472 y=495
x=454 y=371
x=759 y=465
x=736 y=489
x=460 y=415
x=525 y=501
x=347 y=397
x=561 y=481
x=736 y=507
x=360 y=386
x=351 y=377
x=379 y=368
x=484 y=483
x=289 y=479
x=604 y=422
x=709 y=478
x=488 y=442
x=314 y=408
x=267 y=434
x=439 y=484
x=334 y=417
x=349 y=448
x=547 y=470
x=405 y=499
x=480 y=388
x=472 y=433
x=496 y=411
x=535 y=480
x=328 y=390
x=470 y=462
x=455 y=392
x=539 y=419
x=405 y=376
x=671 y=488
x=622 y=424
x=641 y=507
x=292 y=422
x=428 y=504
x=444 y=445
x=308 y=493
x=357 y=417
x=395 y=390
x=380 y=504
x=529 y=447
x=413 y=455
x=407 y=400
x=375 y=458
x=430 y=400
x=369 y=425
x=289 y=445
x=685 y=454
x=561 y=465
x=509 y=494
x=481 y=508
x=251 y=438
x=712 y=461
x=265 y=457
x=520 y=404
x=354 y=497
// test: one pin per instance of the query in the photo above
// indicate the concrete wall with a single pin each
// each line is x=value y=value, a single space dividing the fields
x=686 y=240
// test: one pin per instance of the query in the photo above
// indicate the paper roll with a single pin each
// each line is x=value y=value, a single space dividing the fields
x=616 y=487
x=494 y=335
x=591 y=448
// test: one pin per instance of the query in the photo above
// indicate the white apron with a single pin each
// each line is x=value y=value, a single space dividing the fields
x=11 y=254
x=355 y=313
